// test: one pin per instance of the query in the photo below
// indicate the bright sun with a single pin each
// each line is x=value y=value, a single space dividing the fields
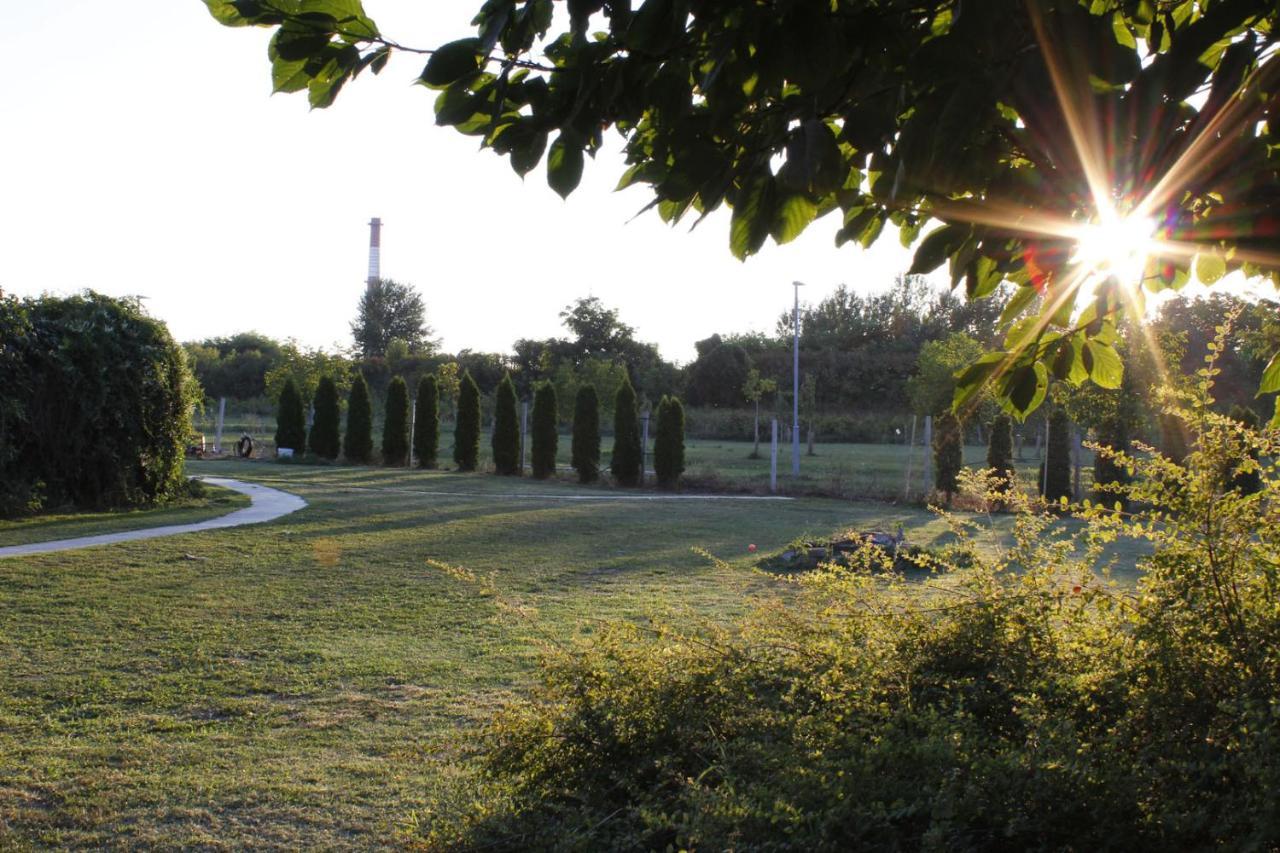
x=1116 y=246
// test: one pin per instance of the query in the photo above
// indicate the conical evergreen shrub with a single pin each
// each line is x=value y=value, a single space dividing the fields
x=426 y=423
x=546 y=438
x=466 y=429
x=1055 y=482
x=668 y=445
x=395 y=427
x=625 y=465
x=1000 y=451
x=948 y=454
x=324 y=429
x=291 y=421
x=357 y=444
x=585 y=451
x=506 y=430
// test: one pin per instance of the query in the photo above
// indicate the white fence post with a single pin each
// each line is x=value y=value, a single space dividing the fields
x=644 y=445
x=773 y=459
x=217 y=438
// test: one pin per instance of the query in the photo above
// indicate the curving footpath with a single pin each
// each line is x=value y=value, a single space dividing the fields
x=268 y=505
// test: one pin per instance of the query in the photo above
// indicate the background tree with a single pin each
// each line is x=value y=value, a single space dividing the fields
x=291 y=419
x=324 y=441
x=668 y=446
x=786 y=112
x=466 y=429
x=357 y=444
x=754 y=389
x=1055 y=477
x=586 y=434
x=809 y=407
x=627 y=453
x=948 y=454
x=388 y=311
x=395 y=426
x=234 y=366
x=546 y=436
x=1000 y=452
x=426 y=424
x=506 y=429
x=719 y=377
x=933 y=386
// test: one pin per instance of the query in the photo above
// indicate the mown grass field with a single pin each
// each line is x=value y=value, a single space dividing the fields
x=308 y=683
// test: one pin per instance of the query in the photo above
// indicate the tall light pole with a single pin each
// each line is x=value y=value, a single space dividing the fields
x=795 y=383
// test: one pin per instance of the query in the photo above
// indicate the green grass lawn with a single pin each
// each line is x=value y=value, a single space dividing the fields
x=308 y=683
x=42 y=528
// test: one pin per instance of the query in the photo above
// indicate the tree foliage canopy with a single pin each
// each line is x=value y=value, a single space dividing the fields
x=391 y=312
x=979 y=116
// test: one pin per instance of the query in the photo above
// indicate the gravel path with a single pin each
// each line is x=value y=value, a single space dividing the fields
x=268 y=505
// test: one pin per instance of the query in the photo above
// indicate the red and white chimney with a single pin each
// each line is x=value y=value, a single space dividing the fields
x=375 y=250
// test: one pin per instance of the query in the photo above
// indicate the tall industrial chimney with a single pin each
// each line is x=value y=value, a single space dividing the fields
x=375 y=250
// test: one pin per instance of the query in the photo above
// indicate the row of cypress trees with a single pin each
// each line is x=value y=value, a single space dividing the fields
x=357 y=444
x=1054 y=480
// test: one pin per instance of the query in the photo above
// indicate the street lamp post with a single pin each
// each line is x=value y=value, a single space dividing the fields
x=795 y=383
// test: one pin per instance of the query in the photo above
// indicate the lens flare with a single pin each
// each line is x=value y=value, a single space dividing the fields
x=1116 y=247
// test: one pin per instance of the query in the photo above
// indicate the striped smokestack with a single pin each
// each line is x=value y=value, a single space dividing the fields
x=375 y=250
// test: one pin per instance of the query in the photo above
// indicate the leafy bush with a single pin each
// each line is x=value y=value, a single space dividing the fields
x=668 y=445
x=395 y=426
x=625 y=465
x=95 y=404
x=506 y=429
x=357 y=444
x=324 y=441
x=466 y=426
x=546 y=436
x=586 y=435
x=1055 y=483
x=426 y=424
x=291 y=421
x=948 y=450
x=1244 y=472
x=1032 y=707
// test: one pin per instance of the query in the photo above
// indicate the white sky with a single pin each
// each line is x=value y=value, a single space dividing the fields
x=143 y=154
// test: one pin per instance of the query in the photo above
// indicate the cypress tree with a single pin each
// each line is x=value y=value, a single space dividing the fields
x=1245 y=482
x=625 y=465
x=546 y=439
x=1000 y=452
x=506 y=430
x=668 y=446
x=426 y=424
x=291 y=422
x=948 y=456
x=357 y=444
x=1113 y=433
x=586 y=434
x=1055 y=478
x=466 y=429
x=395 y=428
x=324 y=430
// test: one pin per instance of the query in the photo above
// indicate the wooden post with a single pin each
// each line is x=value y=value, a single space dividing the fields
x=644 y=444
x=927 y=469
x=773 y=459
x=222 y=411
x=911 y=452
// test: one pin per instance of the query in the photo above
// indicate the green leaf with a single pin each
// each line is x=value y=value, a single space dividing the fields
x=793 y=215
x=1210 y=268
x=1103 y=363
x=1023 y=297
x=972 y=379
x=564 y=166
x=526 y=154
x=1270 y=376
x=451 y=62
x=752 y=215
x=1024 y=389
x=935 y=247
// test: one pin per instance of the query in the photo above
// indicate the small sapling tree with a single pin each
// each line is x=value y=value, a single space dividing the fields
x=426 y=424
x=625 y=465
x=586 y=434
x=545 y=437
x=291 y=421
x=357 y=444
x=395 y=429
x=668 y=448
x=754 y=390
x=506 y=429
x=466 y=430
x=324 y=429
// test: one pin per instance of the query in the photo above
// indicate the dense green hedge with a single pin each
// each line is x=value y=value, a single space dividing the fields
x=585 y=451
x=291 y=419
x=395 y=424
x=324 y=441
x=668 y=445
x=426 y=424
x=95 y=404
x=544 y=432
x=506 y=429
x=357 y=444
x=626 y=461
x=466 y=429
